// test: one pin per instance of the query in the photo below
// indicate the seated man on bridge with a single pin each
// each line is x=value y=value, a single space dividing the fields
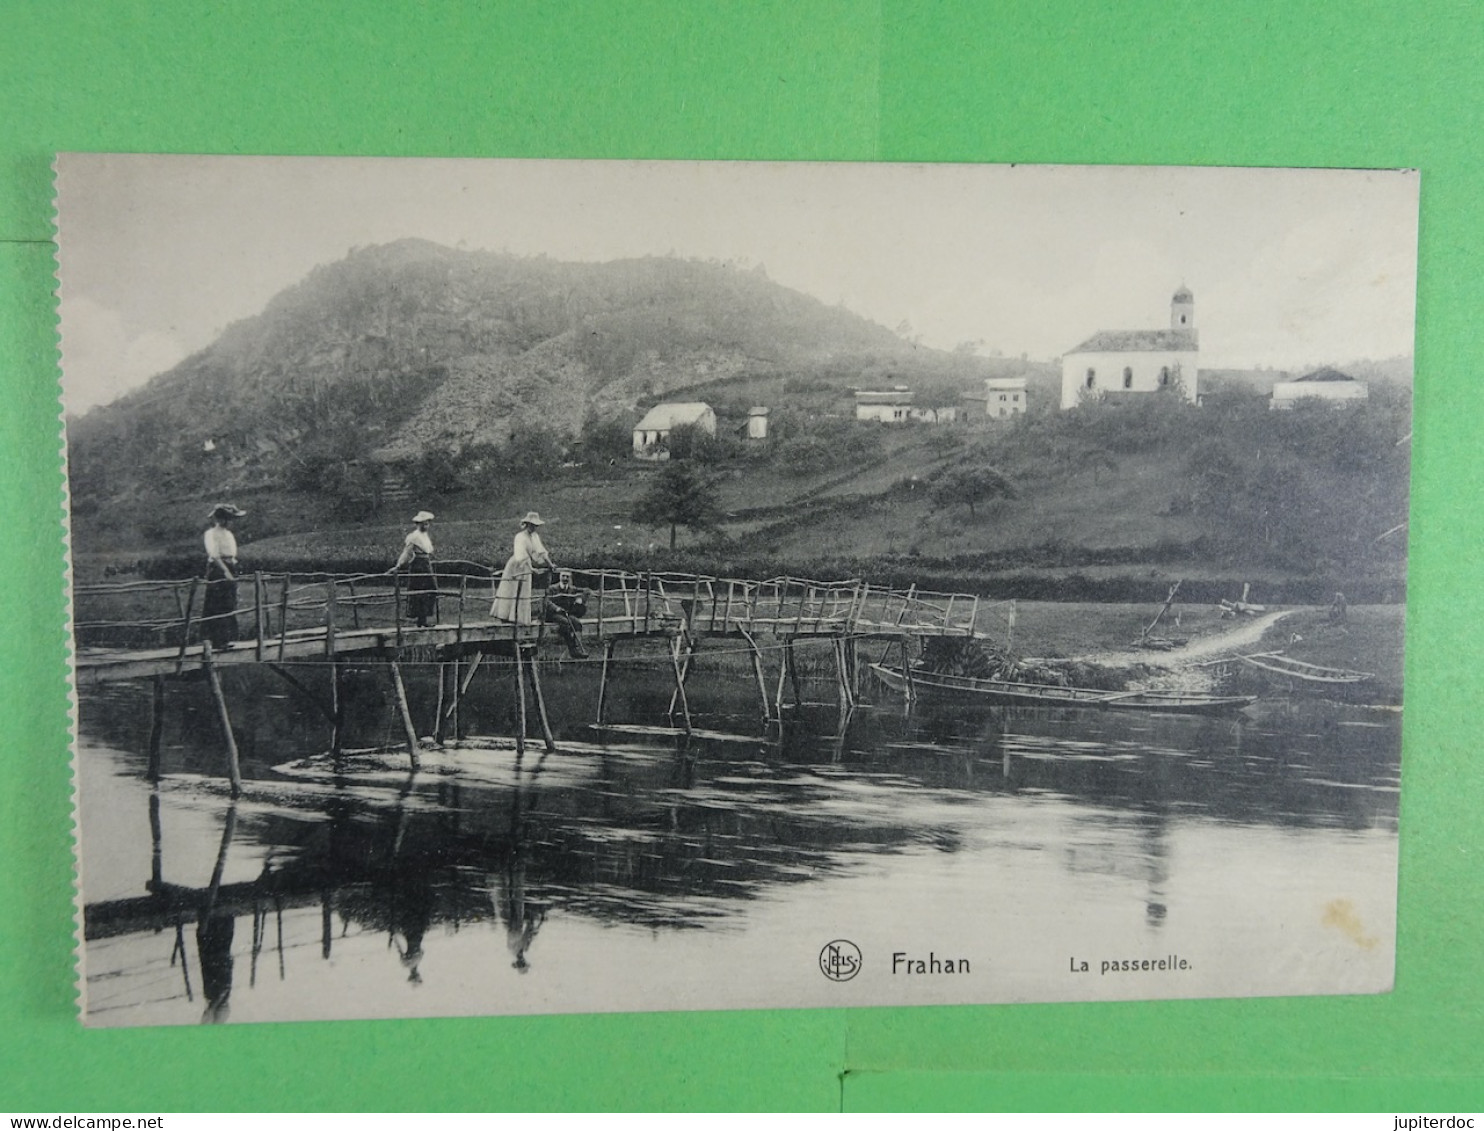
x=564 y=604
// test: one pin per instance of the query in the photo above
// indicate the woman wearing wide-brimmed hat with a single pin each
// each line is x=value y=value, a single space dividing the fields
x=417 y=559
x=219 y=610
x=513 y=597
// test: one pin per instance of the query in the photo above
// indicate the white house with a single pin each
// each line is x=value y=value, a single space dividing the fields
x=894 y=406
x=757 y=423
x=652 y=434
x=1004 y=396
x=1323 y=384
x=1121 y=362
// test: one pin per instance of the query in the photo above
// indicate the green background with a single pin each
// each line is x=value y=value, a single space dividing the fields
x=1287 y=83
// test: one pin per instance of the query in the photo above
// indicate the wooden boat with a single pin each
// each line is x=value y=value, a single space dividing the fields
x=1049 y=695
x=1307 y=673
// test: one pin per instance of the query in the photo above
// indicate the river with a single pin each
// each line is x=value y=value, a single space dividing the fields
x=963 y=853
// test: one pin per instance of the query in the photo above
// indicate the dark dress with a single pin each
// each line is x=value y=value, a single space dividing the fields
x=422 y=589
x=219 y=610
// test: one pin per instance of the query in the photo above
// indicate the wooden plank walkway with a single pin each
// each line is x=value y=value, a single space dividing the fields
x=139 y=630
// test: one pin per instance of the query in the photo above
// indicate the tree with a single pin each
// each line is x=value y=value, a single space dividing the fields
x=971 y=485
x=680 y=495
x=691 y=441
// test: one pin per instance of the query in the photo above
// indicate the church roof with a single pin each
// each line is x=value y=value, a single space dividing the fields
x=1138 y=341
x=1183 y=295
x=1326 y=374
x=666 y=416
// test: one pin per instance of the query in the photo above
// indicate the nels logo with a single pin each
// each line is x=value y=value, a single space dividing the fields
x=840 y=960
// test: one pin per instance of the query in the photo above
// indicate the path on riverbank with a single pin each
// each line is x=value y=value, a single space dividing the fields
x=1174 y=670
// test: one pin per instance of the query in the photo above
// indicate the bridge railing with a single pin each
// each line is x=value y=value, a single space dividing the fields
x=276 y=608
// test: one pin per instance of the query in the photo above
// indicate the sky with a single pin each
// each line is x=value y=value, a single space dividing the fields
x=1290 y=269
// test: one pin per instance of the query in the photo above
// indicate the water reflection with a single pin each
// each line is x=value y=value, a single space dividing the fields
x=632 y=840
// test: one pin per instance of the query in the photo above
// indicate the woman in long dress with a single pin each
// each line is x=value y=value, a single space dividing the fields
x=417 y=559
x=219 y=608
x=513 y=597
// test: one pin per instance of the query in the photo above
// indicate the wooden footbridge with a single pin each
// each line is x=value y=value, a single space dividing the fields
x=153 y=630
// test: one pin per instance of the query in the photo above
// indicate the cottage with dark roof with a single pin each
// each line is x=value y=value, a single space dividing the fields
x=1327 y=385
x=1136 y=362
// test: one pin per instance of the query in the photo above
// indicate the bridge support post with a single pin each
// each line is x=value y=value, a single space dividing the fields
x=156 y=728
x=757 y=671
x=683 y=640
x=408 y=730
x=791 y=663
x=603 y=676
x=842 y=674
x=520 y=701
x=455 y=693
x=337 y=710
x=234 y=772
x=679 y=682
x=909 y=687
x=541 y=703
x=782 y=678
x=437 y=730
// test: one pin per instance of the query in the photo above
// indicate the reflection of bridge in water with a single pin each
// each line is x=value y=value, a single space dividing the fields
x=153 y=630
x=519 y=853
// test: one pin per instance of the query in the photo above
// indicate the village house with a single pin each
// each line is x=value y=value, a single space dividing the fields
x=1136 y=362
x=894 y=406
x=757 y=423
x=1004 y=396
x=1329 y=385
x=652 y=433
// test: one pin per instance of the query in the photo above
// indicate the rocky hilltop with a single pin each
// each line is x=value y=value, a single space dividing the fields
x=410 y=345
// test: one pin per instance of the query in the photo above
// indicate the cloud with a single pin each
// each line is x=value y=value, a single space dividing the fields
x=102 y=360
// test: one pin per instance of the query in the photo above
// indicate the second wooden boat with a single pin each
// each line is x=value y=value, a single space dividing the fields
x=1050 y=695
x=1306 y=673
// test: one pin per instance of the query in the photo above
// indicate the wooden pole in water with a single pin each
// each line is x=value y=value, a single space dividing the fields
x=782 y=677
x=409 y=731
x=910 y=686
x=437 y=731
x=520 y=702
x=283 y=618
x=842 y=676
x=453 y=708
x=330 y=617
x=234 y=772
x=156 y=727
x=680 y=681
x=337 y=713
x=793 y=671
x=603 y=677
x=541 y=704
x=682 y=642
x=469 y=675
x=757 y=671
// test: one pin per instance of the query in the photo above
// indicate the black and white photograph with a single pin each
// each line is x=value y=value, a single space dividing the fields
x=517 y=586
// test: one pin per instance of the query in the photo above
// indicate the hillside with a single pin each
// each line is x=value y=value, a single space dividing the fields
x=410 y=346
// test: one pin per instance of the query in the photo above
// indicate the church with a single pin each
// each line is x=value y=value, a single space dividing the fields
x=1118 y=363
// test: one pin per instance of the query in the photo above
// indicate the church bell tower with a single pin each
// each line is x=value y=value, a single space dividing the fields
x=1182 y=310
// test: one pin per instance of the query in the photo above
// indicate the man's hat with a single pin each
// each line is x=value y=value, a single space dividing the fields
x=423 y=516
x=533 y=518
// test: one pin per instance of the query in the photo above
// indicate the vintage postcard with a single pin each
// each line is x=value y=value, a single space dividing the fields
x=540 y=586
